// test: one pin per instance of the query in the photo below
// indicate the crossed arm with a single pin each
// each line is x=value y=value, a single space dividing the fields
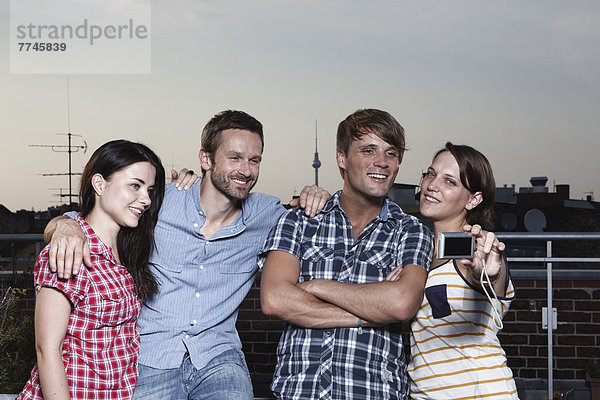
x=321 y=303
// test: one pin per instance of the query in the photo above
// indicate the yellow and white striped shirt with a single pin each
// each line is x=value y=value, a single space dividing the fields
x=455 y=351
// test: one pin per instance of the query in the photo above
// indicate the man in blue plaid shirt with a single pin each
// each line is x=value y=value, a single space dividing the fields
x=326 y=276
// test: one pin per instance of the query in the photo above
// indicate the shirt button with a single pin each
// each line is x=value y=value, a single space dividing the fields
x=202 y=267
x=135 y=363
x=197 y=294
x=328 y=333
x=194 y=322
x=130 y=341
x=187 y=336
x=195 y=225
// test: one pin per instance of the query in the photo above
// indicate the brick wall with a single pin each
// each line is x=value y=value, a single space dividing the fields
x=576 y=339
x=260 y=335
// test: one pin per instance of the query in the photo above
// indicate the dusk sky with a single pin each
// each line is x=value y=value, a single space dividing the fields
x=518 y=80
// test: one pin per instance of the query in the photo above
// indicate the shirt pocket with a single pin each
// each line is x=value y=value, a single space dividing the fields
x=238 y=268
x=316 y=263
x=113 y=308
x=438 y=301
x=379 y=263
x=169 y=255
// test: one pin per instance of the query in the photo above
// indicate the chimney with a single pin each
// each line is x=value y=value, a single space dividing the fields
x=538 y=180
x=539 y=184
x=563 y=191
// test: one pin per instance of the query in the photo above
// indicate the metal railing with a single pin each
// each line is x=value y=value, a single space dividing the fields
x=548 y=261
x=38 y=239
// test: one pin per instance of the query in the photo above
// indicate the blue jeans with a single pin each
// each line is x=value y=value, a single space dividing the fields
x=225 y=377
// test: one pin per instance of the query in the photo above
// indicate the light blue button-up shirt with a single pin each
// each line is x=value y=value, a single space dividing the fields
x=202 y=281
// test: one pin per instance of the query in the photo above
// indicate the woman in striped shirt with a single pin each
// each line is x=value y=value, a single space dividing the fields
x=455 y=351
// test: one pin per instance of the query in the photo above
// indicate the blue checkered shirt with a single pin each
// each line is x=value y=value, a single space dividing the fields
x=345 y=363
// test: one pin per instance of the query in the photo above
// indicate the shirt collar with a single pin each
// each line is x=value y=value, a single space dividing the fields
x=384 y=214
x=95 y=244
x=333 y=202
x=194 y=191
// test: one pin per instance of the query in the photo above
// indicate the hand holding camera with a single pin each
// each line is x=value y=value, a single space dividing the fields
x=482 y=254
x=472 y=247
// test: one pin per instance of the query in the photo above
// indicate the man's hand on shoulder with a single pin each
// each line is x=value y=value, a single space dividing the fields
x=68 y=246
x=312 y=199
x=184 y=179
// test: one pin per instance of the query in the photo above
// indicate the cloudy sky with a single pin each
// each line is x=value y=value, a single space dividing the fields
x=519 y=80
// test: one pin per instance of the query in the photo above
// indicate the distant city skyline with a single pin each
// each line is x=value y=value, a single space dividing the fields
x=517 y=80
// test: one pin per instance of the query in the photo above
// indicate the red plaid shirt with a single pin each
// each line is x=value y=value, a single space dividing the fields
x=100 y=348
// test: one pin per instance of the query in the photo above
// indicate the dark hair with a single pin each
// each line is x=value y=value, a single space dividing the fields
x=229 y=119
x=477 y=176
x=366 y=121
x=134 y=244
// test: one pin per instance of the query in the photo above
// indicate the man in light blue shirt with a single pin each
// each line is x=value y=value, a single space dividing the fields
x=207 y=239
x=205 y=260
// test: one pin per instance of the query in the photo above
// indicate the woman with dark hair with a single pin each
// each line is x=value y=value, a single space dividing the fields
x=455 y=351
x=86 y=326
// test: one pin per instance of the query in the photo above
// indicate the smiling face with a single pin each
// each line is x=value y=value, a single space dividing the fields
x=125 y=195
x=369 y=168
x=443 y=197
x=234 y=168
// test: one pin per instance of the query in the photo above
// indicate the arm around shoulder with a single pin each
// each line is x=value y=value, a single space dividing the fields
x=68 y=246
x=51 y=227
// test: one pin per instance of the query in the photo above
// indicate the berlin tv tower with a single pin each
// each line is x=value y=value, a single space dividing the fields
x=316 y=163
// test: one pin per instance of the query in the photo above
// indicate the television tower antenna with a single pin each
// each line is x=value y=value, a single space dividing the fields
x=316 y=163
x=69 y=149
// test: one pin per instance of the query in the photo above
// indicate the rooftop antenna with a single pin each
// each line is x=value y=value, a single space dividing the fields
x=69 y=148
x=60 y=194
x=316 y=163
